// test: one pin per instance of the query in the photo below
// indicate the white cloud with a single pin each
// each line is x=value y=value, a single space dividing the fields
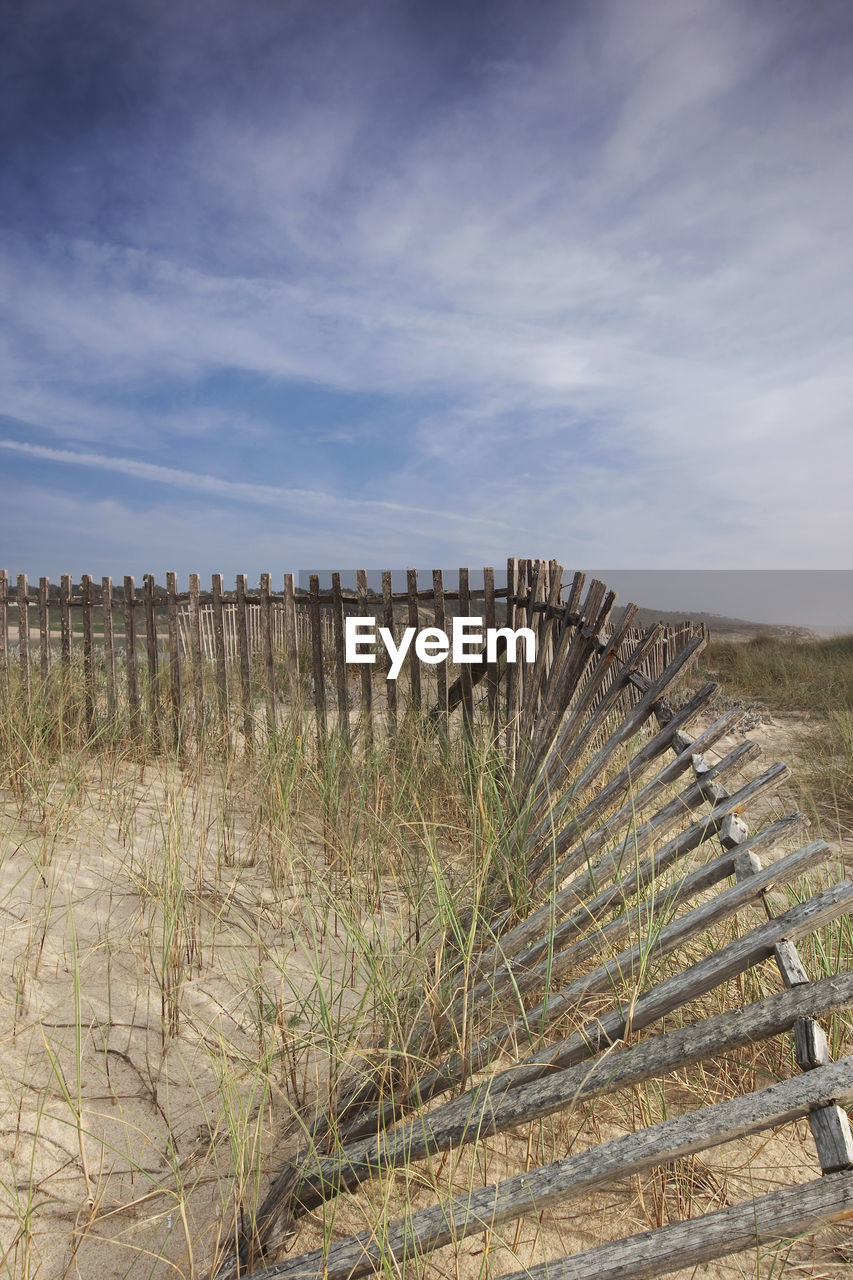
x=633 y=251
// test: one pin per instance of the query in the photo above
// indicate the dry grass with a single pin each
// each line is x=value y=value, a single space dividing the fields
x=202 y=946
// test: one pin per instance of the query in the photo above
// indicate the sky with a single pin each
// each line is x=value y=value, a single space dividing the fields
x=416 y=282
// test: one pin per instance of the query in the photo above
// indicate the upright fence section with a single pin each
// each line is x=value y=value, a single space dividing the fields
x=166 y=661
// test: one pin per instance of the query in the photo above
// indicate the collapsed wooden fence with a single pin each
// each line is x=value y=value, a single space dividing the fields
x=597 y=745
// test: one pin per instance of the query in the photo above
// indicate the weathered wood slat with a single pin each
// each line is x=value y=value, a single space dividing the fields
x=830 y=1126
x=317 y=653
x=342 y=686
x=532 y=1090
x=109 y=643
x=219 y=648
x=44 y=627
x=65 y=619
x=626 y=923
x=195 y=651
x=130 y=655
x=580 y=894
x=267 y=643
x=413 y=617
x=536 y=1190
x=490 y=619
x=440 y=619
x=465 y=674
x=88 y=651
x=174 y=655
x=245 y=661
x=388 y=622
x=151 y=651
x=24 y=633
x=779 y=1215
x=366 y=669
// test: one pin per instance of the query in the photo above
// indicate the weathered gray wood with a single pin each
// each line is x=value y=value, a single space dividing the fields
x=245 y=661
x=440 y=620
x=174 y=655
x=65 y=619
x=269 y=667
x=413 y=621
x=290 y=632
x=780 y=1215
x=580 y=894
x=366 y=668
x=830 y=1127
x=669 y=995
x=490 y=620
x=24 y=632
x=532 y=1192
x=513 y=687
x=88 y=650
x=638 y=714
x=4 y=626
x=524 y=969
x=544 y=653
x=151 y=650
x=528 y=1092
x=219 y=648
x=317 y=653
x=130 y=656
x=109 y=642
x=629 y=777
x=465 y=673
x=388 y=622
x=44 y=626
x=587 y=716
x=195 y=651
x=340 y=659
x=736 y=957
x=628 y=966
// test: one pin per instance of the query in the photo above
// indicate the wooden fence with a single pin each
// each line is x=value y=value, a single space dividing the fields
x=588 y=953
x=254 y=656
x=589 y=948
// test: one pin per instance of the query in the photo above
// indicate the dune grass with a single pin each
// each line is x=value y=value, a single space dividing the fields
x=803 y=679
x=208 y=946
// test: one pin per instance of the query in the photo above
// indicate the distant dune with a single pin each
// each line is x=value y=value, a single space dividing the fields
x=722 y=627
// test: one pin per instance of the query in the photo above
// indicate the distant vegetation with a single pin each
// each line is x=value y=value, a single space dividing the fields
x=808 y=678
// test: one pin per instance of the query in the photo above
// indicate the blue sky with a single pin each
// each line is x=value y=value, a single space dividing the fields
x=384 y=283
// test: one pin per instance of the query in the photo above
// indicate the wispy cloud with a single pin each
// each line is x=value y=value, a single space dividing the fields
x=583 y=273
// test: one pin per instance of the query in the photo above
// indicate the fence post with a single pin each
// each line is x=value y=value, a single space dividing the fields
x=151 y=653
x=44 y=625
x=109 y=643
x=195 y=652
x=317 y=653
x=269 y=667
x=367 y=669
x=88 y=651
x=340 y=659
x=491 y=623
x=65 y=619
x=174 y=655
x=440 y=619
x=245 y=665
x=130 y=654
x=467 y=688
x=24 y=633
x=414 y=665
x=219 y=648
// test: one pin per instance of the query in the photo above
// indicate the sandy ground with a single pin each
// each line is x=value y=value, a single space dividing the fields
x=118 y=1143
